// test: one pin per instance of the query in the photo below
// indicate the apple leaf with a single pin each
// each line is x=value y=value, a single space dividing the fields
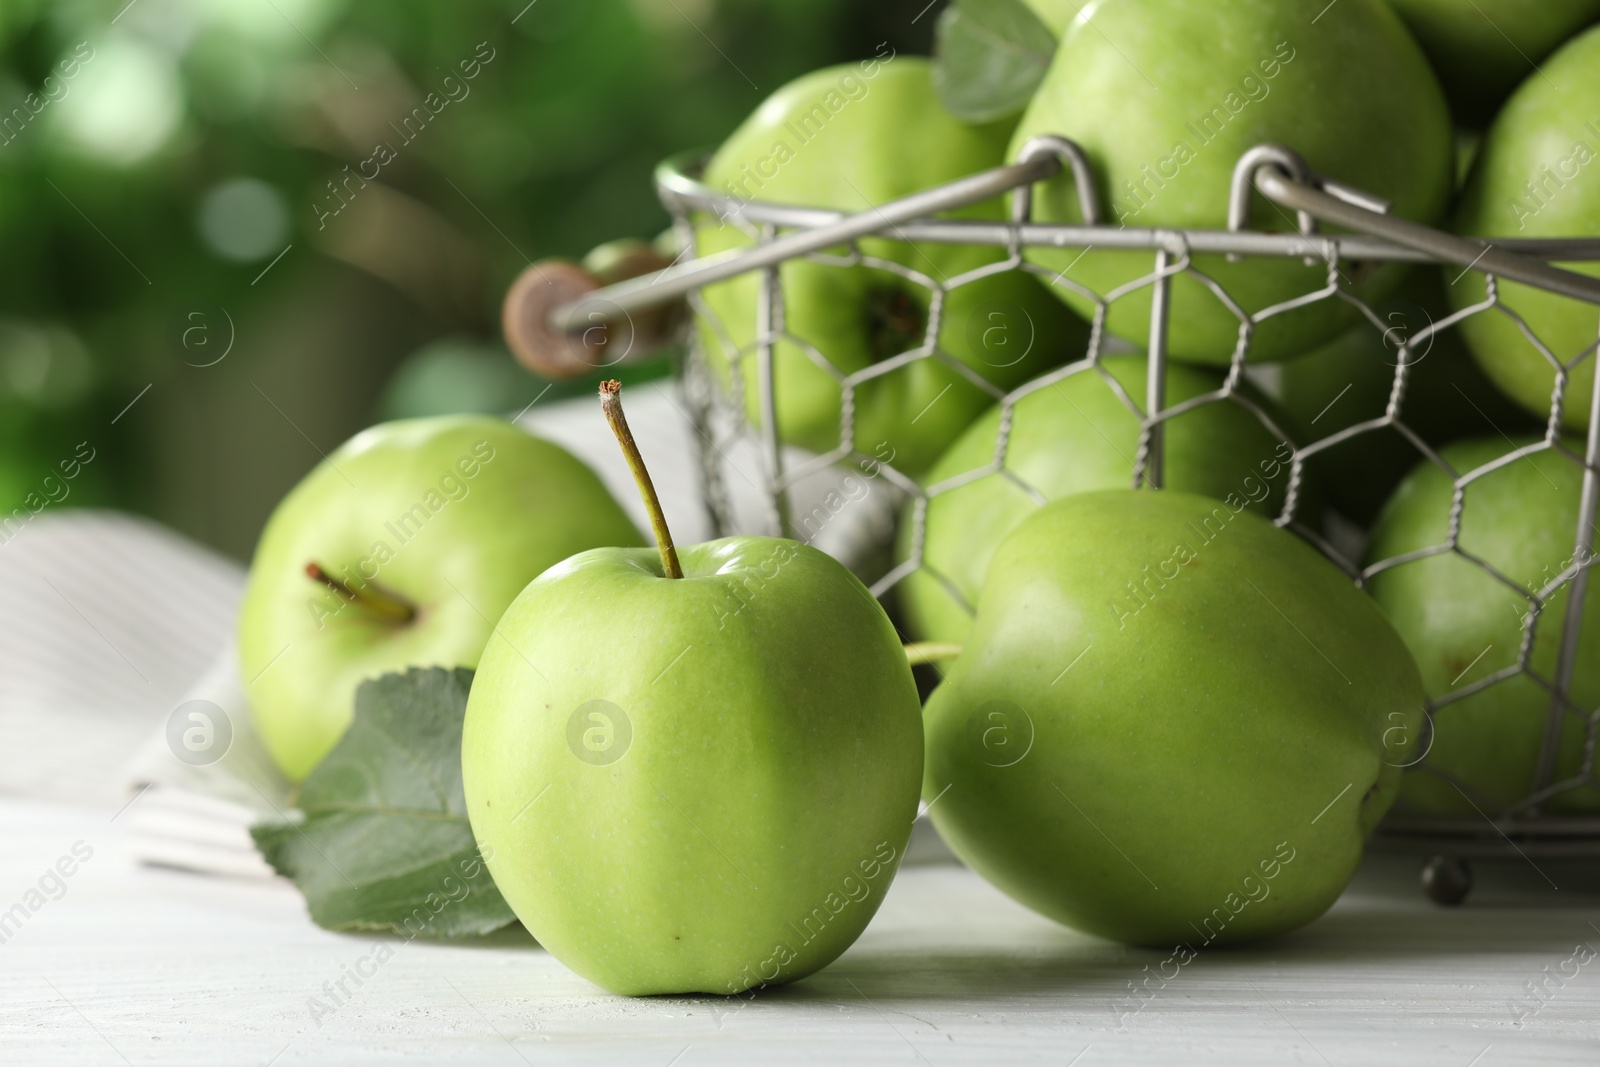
x=989 y=56
x=384 y=842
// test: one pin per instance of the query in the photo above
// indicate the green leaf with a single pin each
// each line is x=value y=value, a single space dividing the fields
x=384 y=843
x=989 y=57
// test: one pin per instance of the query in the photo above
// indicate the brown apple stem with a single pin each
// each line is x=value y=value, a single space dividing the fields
x=931 y=651
x=368 y=596
x=611 y=404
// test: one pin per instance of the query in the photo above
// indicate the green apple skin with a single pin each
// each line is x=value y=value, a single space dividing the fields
x=892 y=139
x=1058 y=15
x=1463 y=624
x=1237 y=736
x=1548 y=134
x=477 y=540
x=748 y=831
x=1350 y=379
x=1483 y=49
x=1135 y=81
x=1071 y=437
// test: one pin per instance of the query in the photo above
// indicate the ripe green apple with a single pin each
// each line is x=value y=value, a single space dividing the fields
x=431 y=526
x=1173 y=723
x=1463 y=624
x=693 y=773
x=1350 y=379
x=1073 y=436
x=1055 y=14
x=848 y=138
x=1538 y=175
x=749 y=776
x=1165 y=96
x=1482 y=49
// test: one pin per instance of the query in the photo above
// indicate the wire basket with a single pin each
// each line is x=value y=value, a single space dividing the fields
x=727 y=381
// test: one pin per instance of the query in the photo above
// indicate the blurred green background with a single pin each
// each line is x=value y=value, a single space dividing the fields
x=180 y=232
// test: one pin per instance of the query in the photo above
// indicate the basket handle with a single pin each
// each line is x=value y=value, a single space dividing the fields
x=572 y=315
x=1470 y=253
x=560 y=319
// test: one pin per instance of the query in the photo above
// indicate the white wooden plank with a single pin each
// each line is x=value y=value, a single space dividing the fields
x=149 y=966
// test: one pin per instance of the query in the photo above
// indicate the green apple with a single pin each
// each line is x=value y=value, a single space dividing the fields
x=1482 y=49
x=1055 y=14
x=425 y=530
x=848 y=138
x=693 y=777
x=1349 y=380
x=1464 y=625
x=1165 y=96
x=1173 y=722
x=1538 y=175
x=1073 y=436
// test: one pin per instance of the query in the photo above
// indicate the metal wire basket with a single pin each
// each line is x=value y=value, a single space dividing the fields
x=781 y=233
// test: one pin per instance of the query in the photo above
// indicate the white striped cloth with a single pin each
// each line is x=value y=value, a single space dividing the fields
x=107 y=620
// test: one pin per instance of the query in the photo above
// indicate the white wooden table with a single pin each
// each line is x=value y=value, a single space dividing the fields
x=137 y=965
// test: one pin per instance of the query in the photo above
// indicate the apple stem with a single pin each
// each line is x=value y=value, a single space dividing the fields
x=378 y=601
x=611 y=404
x=931 y=651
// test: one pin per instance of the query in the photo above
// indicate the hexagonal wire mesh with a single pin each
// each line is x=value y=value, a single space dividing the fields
x=720 y=384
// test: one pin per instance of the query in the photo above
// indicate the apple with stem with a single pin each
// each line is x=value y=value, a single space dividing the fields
x=696 y=770
x=1173 y=723
x=401 y=549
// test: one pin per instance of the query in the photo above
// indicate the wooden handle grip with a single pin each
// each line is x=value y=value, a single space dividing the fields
x=544 y=286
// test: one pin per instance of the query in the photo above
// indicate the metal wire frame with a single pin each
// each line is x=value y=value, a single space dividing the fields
x=782 y=232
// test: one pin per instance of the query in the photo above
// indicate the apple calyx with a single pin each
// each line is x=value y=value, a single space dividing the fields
x=920 y=652
x=381 y=602
x=895 y=323
x=611 y=404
